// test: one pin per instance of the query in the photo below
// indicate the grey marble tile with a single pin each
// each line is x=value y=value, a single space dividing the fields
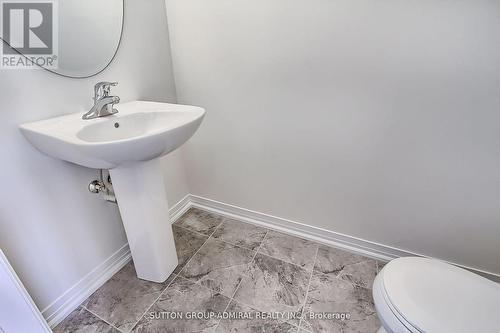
x=186 y=244
x=242 y=234
x=219 y=266
x=183 y=296
x=273 y=285
x=306 y=327
x=371 y=324
x=328 y=294
x=361 y=274
x=253 y=323
x=123 y=299
x=200 y=221
x=82 y=321
x=290 y=248
x=348 y=266
x=380 y=265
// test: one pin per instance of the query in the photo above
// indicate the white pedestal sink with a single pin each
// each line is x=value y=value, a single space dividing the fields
x=129 y=144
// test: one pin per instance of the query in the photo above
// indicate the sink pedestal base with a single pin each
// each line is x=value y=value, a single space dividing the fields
x=142 y=200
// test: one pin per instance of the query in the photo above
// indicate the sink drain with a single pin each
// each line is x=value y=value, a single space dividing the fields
x=117 y=125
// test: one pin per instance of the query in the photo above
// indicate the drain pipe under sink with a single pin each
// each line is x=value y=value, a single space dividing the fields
x=104 y=186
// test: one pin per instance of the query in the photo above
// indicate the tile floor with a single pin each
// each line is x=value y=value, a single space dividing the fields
x=227 y=266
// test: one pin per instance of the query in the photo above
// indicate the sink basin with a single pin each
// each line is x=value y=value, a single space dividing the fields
x=140 y=131
x=129 y=144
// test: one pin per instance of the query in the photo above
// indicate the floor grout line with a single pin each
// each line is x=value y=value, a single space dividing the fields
x=260 y=246
x=265 y=254
x=265 y=236
x=178 y=274
x=205 y=242
x=339 y=277
x=220 y=239
x=209 y=210
x=239 y=284
x=246 y=248
x=254 y=308
x=286 y=262
x=230 y=243
x=253 y=259
x=308 y=286
x=193 y=231
x=236 y=290
x=230 y=301
x=236 y=245
x=149 y=307
x=244 y=276
x=257 y=251
x=99 y=317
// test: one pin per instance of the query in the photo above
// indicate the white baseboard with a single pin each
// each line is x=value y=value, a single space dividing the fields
x=324 y=236
x=80 y=291
x=180 y=208
x=73 y=297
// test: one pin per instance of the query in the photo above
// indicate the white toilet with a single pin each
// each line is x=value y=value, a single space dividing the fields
x=426 y=295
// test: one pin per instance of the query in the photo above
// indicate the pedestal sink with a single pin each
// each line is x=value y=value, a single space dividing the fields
x=129 y=144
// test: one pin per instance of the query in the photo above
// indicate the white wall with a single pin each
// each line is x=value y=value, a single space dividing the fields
x=52 y=229
x=377 y=119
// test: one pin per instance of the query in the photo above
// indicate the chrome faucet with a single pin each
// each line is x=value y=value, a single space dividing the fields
x=103 y=103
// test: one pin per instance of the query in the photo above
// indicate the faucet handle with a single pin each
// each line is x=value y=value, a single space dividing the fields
x=103 y=87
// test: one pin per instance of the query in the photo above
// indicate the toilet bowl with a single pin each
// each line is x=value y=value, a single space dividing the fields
x=421 y=295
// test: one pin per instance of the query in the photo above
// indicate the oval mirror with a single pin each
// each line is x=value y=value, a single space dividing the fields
x=73 y=38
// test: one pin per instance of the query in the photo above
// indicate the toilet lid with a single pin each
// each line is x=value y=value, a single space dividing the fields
x=433 y=296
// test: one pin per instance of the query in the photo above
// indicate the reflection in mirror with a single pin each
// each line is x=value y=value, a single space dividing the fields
x=86 y=33
x=89 y=35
